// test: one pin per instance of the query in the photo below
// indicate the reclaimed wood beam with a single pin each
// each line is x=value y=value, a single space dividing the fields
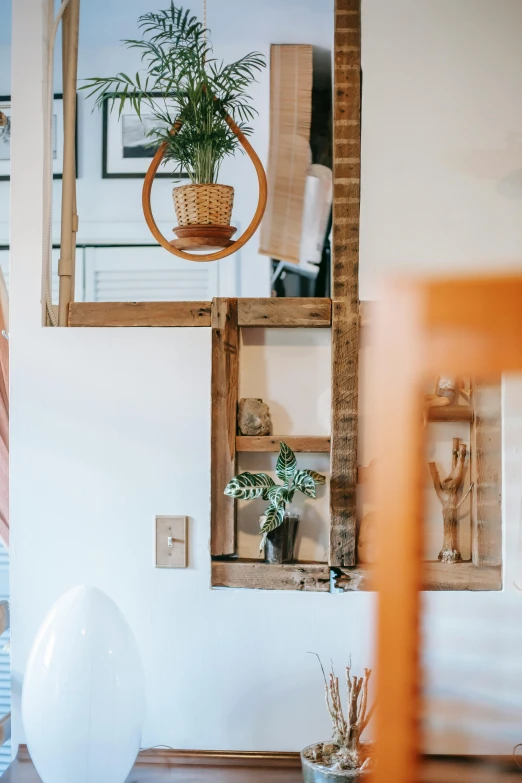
x=285 y=312
x=315 y=444
x=436 y=576
x=224 y=398
x=451 y=413
x=139 y=314
x=486 y=474
x=314 y=577
x=345 y=281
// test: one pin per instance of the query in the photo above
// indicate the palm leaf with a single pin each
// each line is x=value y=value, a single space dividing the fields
x=286 y=463
x=249 y=486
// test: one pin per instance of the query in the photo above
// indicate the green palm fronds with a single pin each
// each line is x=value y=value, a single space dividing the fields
x=182 y=82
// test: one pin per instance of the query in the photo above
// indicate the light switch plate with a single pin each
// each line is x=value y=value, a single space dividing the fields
x=171 y=542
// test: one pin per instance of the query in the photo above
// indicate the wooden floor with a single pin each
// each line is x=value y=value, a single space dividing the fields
x=24 y=772
x=487 y=771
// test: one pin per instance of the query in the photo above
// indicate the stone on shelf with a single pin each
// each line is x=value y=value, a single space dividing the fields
x=254 y=417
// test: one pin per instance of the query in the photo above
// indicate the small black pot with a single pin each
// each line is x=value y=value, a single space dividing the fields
x=280 y=543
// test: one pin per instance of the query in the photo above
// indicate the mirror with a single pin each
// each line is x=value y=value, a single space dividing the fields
x=117 y=258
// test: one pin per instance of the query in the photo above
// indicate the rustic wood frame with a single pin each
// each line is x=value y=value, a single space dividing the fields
x=228 y=316
x=345 y=281
x=343 y=315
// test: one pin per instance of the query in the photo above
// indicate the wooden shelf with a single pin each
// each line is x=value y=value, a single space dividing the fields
x=256 y=575
x=266 y=312
x=316 y=444
x=286 y=312
x=315 y=577
x=163 y=314
x=451 y=413
x=437 y=576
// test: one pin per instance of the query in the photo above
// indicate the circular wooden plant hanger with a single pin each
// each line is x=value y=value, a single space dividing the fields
x=220 y=234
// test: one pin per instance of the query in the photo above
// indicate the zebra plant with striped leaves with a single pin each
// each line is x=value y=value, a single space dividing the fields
x=250 y=486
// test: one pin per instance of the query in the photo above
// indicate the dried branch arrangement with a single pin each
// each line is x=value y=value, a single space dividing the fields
x=346 y=751
x=448 y=491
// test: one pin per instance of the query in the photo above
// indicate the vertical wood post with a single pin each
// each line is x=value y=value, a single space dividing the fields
x=224 y=398
x=70 y=33
x=486 y=466
x=400 y=480
x=345 y=288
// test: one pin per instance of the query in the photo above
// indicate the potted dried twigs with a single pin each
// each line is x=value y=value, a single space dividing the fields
x=346 y=756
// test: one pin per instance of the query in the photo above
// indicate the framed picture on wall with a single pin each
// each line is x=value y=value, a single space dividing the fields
x=127 y=150
x=6 y=135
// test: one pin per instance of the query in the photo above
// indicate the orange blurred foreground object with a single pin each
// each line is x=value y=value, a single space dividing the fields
x=465 y=326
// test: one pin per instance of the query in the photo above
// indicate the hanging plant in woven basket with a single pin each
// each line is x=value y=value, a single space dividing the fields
x=201 y=110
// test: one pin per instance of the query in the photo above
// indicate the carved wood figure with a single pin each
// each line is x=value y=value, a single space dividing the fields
x=447 y=492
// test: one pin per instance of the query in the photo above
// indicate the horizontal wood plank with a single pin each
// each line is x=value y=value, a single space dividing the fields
x=315 y=444
x=451 y=413
x=437 y=576
x=163 y=314
x=285 y=312
x=219 y=758
x=307 y=577
x=461 y=576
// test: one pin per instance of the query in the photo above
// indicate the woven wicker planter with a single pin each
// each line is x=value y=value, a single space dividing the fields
x=204 y=213
x=203 y=205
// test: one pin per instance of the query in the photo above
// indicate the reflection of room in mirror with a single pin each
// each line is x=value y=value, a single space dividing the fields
x=136 y=143
x=5 y=131
x=5 y=140
x=55 y=137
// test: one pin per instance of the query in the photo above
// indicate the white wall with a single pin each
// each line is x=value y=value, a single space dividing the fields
x=110 y=427
x=442 y=146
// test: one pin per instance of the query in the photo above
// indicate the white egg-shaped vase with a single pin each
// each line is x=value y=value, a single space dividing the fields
x=83 y=698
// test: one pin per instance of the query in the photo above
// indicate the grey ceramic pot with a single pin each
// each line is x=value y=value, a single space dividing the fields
x=315 y=773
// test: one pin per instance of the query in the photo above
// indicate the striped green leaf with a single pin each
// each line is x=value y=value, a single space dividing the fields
x=279 y=496
x=317 y=477
x=248 y=486
x=305 y=483
x=273 y=517
x=286 y=462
